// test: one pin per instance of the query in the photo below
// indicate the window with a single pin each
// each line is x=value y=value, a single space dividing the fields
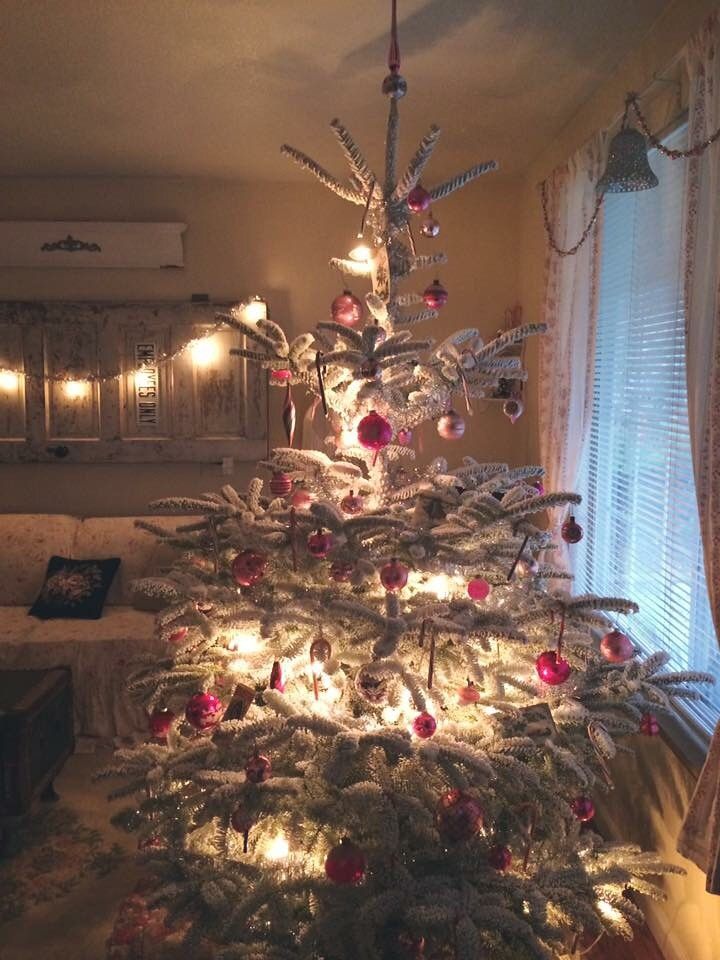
x=640 y=516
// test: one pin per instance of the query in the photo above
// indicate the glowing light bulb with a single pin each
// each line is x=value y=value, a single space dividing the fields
x=9 y=381
x=361 y=252
x=255 y=309
x=75 y=389
x=144 y=379
x=244 y=642
x=608 y=910
x=278 y=848
x=391 y=714
x=440 y=586
x=204 y=351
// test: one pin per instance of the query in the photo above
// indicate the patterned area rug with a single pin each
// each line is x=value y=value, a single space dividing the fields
x=47 y=856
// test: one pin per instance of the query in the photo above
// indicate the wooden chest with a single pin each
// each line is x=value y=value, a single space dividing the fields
x=36 y=734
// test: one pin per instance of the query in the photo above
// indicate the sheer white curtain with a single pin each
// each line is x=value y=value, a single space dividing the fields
x=569 y=309
x=700 y=836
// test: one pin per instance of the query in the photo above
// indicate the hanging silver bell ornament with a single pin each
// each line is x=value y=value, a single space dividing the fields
x=513 y=409
x=451 y=426
x=430 y=227
x=394 y=86
x=628 y=168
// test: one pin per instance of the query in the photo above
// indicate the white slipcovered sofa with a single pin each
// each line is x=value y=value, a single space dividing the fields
x=99 y=652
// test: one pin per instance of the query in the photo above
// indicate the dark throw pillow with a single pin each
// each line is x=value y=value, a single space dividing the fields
x=74 y=589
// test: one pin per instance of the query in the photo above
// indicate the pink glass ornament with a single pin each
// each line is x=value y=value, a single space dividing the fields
x=451 y=426
x=341 y=571
x=320 y=544
x=479 y=589
x=277 y=680
x=203 y=711
x=352 y=503
x=424 y=725
x=538 y=484
x=178 y=636
x=394 y=575
x=583 y=808
x=301 y=498
x=346 y=863
x=248 y=568
x=280 y=376
x=468 y=694
x=160 y=721
x=616 y=647
x=552 y=669
x=258 y=768
x=418 y=200
x=499 y=857
x=404 y=437
x=346 y=309
x=571 y=531
x=241 y=821
x=435 y=296
x=374 y=432
x=458 y=816
x=649 y=725
x=280 y=484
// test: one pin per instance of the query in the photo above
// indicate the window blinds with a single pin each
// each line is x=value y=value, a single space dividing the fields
x=642 y=537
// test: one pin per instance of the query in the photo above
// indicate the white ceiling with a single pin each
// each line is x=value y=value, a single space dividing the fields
x=213 y=87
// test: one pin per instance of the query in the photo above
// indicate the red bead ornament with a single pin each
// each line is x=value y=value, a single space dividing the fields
x=280 y=484
x=346 y=309
x=345 y=863
x=301 y=498
x=552 y=669
x=458 y=816
x=479 y=589
x=248 y=568
x=258 y=768
x=394 y=575
x=418 y=200
x=571 y=531
x=616 y=647
x=203 y=711
x=451 y=426
x=178 y=636
x=374 y=432
x=499 y=857
x=649 y=725
x=404 y=437
x=352 y=503
x=160 y=721
x=424 y=725
x=468 y=694
x=320 y=544
x=341 y=571
x=583 y=808
x=280 y=376
x=435 y=296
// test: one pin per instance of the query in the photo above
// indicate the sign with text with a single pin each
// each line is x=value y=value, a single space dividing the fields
x=147 y=398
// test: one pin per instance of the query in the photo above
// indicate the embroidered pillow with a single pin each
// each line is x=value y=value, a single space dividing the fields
x=74 y=589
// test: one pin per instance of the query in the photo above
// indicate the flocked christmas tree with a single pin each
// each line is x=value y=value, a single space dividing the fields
x=381 y=723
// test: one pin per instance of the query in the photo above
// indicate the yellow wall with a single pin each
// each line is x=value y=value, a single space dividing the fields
x=274 y=239
x=653 y=791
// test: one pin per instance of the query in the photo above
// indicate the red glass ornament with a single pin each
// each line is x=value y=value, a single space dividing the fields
x=320 y=544
x=583 y=808
x=280 y=484
x=160 y=721
x=424 y=725
x=649 y=725
x=346 y=309
x=394 y=575
x=248 y=568
x=345 y=863
x=538 y=484
x=513 y=409
x=418 y=200
x=552 y=669
x=616 y=647
x=374 y=431
x=430 y=228
x=404 y=437
x=451 y=426
x=203 y=711
x=352 y=503
x=478 y=589
x=458 y=816
x=280 y=376
x=241 y=821
x=258 y=768
x=341 y=571
x=371 y=369
x=435 y=296
x=178 y=636
x=277 y=680
x=469 y=693
x=301 y=498
x=571 y=531
x=499 y=857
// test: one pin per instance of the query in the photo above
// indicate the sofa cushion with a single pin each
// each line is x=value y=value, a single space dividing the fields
x=142 y=555
x=75 y=589
x=28 y=541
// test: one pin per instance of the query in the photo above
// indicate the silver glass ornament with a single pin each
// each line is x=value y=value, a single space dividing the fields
x=394 y=86
x=628 y=168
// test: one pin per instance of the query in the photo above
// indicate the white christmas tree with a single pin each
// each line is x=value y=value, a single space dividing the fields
x=379 y=725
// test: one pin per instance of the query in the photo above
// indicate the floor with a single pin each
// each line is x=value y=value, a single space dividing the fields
x=64 y=928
